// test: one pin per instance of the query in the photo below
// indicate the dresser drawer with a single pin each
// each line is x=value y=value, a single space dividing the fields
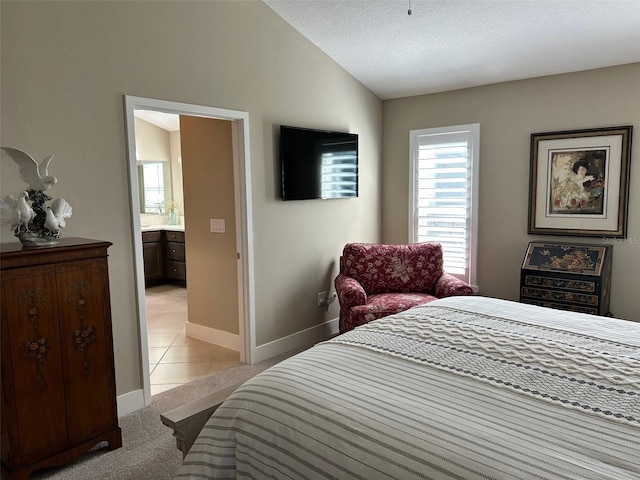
x=560 y=296
x=559 y=283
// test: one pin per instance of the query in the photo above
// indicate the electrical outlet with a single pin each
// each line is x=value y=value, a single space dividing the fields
x=322 y=298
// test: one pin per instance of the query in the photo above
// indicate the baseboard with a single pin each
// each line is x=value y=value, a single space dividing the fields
x=211 y=335
x=268 y=350
x=296 y=340
x=130 y=402
x=134 y=400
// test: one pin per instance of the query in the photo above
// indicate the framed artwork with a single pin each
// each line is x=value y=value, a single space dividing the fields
x=580 y=182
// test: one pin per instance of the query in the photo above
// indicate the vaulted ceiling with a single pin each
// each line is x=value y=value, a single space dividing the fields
x=451 y=44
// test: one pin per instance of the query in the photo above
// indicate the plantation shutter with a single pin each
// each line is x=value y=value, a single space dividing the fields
x=443 y=196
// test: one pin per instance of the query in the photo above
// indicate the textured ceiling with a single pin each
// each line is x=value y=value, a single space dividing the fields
x=168 y=121
x=451 y=44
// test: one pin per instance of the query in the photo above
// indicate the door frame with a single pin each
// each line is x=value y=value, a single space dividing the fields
x=244 y=230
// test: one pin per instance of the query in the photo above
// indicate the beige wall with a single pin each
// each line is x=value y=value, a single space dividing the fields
x=508 y=113
x=152 y=142
x=176 y=171
x=65 y=67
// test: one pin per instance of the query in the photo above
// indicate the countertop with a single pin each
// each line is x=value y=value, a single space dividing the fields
x=153 y=228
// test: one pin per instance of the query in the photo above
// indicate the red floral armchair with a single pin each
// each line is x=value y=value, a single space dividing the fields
x=377 y=280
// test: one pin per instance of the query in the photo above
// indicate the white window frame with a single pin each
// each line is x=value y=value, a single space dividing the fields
x=473 y=156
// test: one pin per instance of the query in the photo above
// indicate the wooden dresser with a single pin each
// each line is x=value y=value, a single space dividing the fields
x=58 y=380
x=568 y=276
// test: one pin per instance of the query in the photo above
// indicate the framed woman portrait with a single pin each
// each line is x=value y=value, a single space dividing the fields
x=579 y=183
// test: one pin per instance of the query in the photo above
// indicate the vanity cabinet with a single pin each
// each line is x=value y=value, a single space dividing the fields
x=153 y=258
x=176 y=269
x=58 y=379
x=164 y=257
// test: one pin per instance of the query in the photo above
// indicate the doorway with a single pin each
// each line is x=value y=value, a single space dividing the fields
x=244 y=247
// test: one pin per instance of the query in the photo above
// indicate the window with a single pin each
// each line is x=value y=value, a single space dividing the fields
x=444 y=194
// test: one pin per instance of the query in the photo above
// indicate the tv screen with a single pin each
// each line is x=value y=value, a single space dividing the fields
x=318 y=164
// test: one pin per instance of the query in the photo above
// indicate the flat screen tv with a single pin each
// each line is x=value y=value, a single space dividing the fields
x=318 y=164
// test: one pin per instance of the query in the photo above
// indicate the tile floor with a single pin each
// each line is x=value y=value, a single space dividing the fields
x=174 y=358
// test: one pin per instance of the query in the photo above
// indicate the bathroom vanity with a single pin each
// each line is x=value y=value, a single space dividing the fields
x=164 y=255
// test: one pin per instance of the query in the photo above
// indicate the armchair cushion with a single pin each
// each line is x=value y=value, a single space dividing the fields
x=381 y=305
x=377 y=280
x=393 y=268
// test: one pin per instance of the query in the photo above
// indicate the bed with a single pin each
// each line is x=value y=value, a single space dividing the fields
x=460 y=388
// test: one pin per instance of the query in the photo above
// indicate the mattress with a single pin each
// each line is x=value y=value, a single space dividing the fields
x=460 y=388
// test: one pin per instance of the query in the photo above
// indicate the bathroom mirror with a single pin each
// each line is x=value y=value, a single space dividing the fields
x=153 y=180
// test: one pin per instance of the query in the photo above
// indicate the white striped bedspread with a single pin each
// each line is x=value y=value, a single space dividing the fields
x=460 y=388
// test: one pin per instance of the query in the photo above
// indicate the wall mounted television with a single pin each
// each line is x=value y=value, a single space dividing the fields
x=318 y=164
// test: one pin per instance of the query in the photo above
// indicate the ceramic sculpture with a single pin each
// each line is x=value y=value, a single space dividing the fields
x=36 y=223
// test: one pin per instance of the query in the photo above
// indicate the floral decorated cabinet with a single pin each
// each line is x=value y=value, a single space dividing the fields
x=567 y=276
x=58 y=381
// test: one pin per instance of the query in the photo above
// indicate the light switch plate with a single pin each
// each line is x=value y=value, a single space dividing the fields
x=217 y=225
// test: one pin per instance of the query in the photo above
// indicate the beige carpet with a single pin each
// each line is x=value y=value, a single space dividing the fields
x=148 y=447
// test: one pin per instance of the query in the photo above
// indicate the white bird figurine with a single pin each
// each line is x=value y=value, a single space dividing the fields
x=51 y=223
x=37 y=176
x=26 y=212
x=16 y=212
x=56 y=214
x=61 y=210
x=9 y=214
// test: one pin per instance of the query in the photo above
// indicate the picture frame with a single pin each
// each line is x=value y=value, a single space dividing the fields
x=579 y=182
